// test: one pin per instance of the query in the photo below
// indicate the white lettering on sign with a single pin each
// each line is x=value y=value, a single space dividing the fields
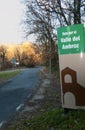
x=76 y=38
x=70 y=46
x=69 y=33
x=69 y=39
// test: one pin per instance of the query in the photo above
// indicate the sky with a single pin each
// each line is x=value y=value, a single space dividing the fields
x=11 y=16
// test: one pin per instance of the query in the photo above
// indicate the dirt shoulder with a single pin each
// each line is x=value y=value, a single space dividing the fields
x=46 y=96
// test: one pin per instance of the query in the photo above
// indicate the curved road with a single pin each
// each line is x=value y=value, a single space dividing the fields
x=14 y=92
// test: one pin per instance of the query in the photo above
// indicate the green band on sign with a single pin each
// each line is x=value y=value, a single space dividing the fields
x=71 y=39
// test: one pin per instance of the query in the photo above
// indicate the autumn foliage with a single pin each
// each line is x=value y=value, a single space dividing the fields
x=24 y=54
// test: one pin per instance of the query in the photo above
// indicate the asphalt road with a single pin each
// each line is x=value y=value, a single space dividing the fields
x=14 y=92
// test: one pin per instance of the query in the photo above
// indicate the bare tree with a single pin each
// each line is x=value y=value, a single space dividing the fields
x=44 y=16
x=3 y=52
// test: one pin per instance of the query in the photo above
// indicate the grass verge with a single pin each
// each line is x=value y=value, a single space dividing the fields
x=7 y=75
x=55 y=120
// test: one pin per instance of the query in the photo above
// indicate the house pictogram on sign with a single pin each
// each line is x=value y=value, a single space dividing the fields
x=73 y=87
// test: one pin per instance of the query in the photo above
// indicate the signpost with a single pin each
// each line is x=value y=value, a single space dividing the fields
x=13 y=61
x=71 y=39
x=71 y=48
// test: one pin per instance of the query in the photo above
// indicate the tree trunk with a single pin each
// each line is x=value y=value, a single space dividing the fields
x=77 y=14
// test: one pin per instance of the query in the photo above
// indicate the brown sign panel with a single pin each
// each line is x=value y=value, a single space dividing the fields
x=73 y=87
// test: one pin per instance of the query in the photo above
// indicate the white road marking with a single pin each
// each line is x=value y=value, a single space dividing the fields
x=19 y=107
x=1 y=123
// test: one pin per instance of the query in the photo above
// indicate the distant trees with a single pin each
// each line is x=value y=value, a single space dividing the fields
x=3 y=55
x=3 y=51
x=44 y=16
x=17 y=54
x=25 y=54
